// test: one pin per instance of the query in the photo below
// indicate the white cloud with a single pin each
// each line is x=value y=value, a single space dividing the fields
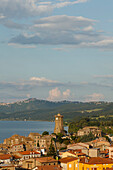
x=94 y=97
x=2 y=16
x=56 y=95
x=103 y=76
x=21 y=46
x=29 y=8
x=66 y=3
x=61 y=29
x=28 y=95
x=66 y=94
x=42 y=79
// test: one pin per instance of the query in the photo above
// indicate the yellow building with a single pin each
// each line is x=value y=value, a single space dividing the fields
x=90 y=164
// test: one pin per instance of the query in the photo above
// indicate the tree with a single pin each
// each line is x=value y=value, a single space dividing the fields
x=51 y=151
x=45 y=133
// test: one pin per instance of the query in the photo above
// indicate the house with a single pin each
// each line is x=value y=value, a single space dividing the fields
x=94 y=152
x=28 y=154
x=45 y=141
x=48 y=167
x=89 y=164
x=7 y=167
x=35 y=137
x=35 y=163
x=95 y=163
x=100 y=143
x=78 y=146
x=28 y=163
x=5 y=159
x=46 y=161
x=73 y=153
x=18 y=140
x=89 y=129
x=17 y=147
x=111 y=151
x=64 y=162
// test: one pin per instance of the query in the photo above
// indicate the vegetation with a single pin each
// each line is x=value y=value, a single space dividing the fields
x=45 y=133
x=86 y=138
x=34 y=109
x=106 y=124
x=51 y=151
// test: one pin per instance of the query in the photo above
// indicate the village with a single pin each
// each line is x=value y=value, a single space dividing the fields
x=57 y=151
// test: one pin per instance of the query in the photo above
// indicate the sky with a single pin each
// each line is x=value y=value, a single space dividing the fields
x=56 y=50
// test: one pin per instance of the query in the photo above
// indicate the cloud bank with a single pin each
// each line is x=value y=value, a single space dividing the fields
x=32 y=8
x=56 y=95
x=69 y=31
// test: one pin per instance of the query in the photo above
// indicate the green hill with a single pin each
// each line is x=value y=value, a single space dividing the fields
x=34 y=109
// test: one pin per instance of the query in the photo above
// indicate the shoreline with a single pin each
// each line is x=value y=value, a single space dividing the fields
x=26 y=120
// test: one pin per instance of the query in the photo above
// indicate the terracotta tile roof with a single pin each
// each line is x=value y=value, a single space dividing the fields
x=28 y=139
x=74 y=151
x=50 y=167
x=17 y=144
x=28 y=152
x=35 y=134
x=17 y=157
x=5 y=156
x=104 y=152
x=67 y=159
x=16 y=135
x=46 y=159
x=96 y=160
x=81 y=154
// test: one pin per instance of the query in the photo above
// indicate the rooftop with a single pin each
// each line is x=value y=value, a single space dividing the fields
x=46 y=159
x=67 y=159
x=96 y=160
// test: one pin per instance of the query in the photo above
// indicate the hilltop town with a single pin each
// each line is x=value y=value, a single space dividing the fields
x=59 y=150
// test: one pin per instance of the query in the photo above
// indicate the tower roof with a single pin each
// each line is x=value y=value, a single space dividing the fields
x=58 y=115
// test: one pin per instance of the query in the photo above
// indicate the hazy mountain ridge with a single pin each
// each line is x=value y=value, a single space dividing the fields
x=35 y=109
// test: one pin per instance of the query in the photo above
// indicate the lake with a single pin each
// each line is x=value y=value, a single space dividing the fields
x=23 y=128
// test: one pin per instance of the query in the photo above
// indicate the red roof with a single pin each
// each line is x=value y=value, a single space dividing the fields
x=46 y=159
x=97 y=160
x=81 y=154
x=67 y=159
x=5 y=156
x=49 y=167
x=29 y=152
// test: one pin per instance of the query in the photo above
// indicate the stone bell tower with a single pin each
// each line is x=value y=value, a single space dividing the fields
x=59 y=124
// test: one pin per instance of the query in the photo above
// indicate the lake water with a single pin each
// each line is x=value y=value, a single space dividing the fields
x=23 y=128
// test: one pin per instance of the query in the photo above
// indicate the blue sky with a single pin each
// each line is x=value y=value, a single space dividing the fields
x=56 y=50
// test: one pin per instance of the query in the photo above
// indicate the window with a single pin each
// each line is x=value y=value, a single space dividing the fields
x=93 y=168
x=69 y=165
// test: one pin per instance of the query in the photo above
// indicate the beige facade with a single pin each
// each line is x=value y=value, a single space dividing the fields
x=19 y=143
x=94 y=152
x=45 y=141
x=87 y=130
x=46 y=161
x=36 y=137
x=35 y=162
x=10 y=167
x=111 y=151
x=17 y=147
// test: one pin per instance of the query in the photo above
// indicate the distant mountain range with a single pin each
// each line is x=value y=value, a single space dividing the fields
x=34 y=109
